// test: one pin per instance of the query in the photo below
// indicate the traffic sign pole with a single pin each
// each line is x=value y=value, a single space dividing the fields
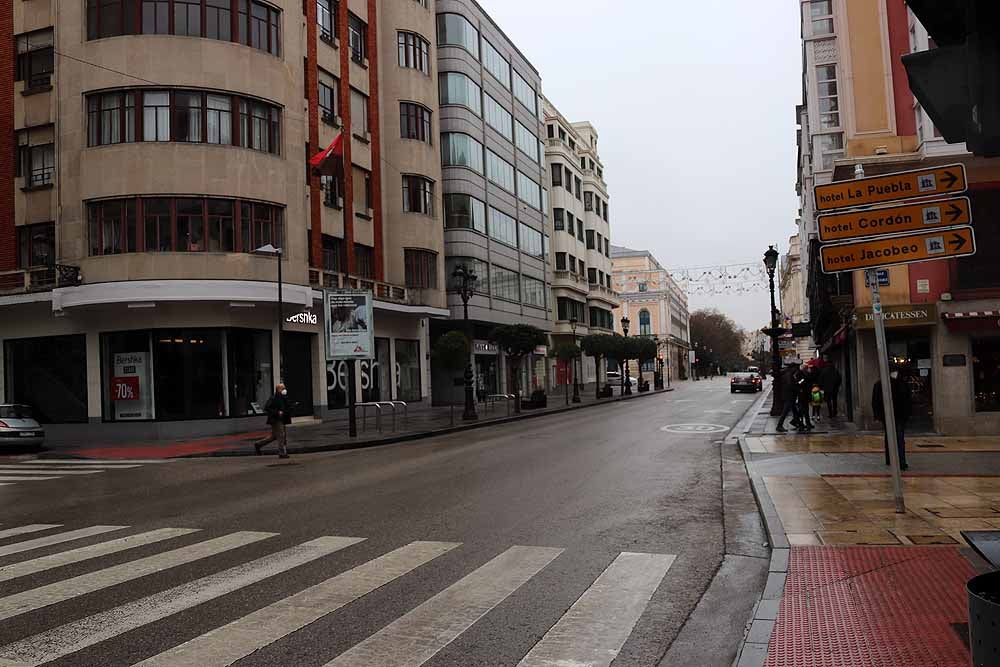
x=882 y=350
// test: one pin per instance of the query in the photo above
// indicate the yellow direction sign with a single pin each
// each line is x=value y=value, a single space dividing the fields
x=892 y=187
x=891 y=250
x=894 y=219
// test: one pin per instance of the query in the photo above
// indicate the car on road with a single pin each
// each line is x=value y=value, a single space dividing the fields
x=615 y=380
x=18 y=426
x=745 y=382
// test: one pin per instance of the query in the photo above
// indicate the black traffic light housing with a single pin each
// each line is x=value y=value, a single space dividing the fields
x=958 y=83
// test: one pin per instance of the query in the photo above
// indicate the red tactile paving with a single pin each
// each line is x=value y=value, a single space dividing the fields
x=168 y=450
x=872 y=606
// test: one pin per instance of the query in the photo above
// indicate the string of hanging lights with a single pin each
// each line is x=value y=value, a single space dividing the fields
x=721 y=279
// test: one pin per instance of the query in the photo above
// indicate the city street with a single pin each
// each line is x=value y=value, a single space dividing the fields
x=462 y=550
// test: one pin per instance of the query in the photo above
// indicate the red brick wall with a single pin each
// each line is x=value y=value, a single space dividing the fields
x=312 y=95
x=8 y=244
x=899 y=45
x=376 y=144
x=345 y=114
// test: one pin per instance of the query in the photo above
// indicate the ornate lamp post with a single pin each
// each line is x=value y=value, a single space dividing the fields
x=626 y=380
x=576 y=385
x=465 y=281
x=771 y=263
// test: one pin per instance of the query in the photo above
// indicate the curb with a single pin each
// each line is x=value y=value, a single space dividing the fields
x=409 y=437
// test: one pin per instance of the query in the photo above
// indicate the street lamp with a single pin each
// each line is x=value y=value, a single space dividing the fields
x=576 y=386
x=627 y=390
x=277 y=252
x=771 y=263
x=466 y=279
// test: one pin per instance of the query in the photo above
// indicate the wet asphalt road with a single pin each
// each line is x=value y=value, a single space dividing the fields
x=594 y=483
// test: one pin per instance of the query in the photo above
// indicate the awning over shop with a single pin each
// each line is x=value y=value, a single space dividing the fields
x=972 y=321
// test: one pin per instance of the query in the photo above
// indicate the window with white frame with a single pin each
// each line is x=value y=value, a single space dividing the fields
x=828 y=97
x=828 y=147
x=821 y=17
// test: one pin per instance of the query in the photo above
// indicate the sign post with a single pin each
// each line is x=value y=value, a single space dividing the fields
x=350 y=335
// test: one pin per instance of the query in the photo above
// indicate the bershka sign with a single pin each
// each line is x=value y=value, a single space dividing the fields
x=906 y=315
x=304 y=317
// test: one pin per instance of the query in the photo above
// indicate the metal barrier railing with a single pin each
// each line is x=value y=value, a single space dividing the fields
x=491 y=399
x=379 y=406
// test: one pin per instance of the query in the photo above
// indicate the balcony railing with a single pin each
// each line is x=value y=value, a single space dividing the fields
x=382 y=291
x=39 y=279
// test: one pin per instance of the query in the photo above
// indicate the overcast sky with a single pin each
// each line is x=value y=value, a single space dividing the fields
x=695 y=106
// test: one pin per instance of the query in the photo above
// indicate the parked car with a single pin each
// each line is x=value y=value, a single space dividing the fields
x=18 y=427
x=745 y=382
x=615 y=380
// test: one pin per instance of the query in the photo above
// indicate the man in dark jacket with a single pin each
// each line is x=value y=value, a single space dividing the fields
x=790 y=398
x=278 y=417
x=805 y=379
x=902 y=403
x=830 y=381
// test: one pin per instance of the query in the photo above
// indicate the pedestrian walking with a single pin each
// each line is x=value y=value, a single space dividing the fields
x=902 y=404
x=804 y=384
x=278 y=418
x=790 y=399
x=830 y=381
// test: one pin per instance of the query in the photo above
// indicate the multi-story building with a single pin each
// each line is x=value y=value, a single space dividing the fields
x=793 y=304
x=494 y=189
x=858 y=110
x=582 y=294
x=160 y=144
x=655 y=305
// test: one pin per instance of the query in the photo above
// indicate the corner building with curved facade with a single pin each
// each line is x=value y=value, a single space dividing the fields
x=160 y=144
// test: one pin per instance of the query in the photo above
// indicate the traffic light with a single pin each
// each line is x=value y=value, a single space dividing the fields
x=958 y=83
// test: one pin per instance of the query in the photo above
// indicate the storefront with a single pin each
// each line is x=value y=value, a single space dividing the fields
x=968 y=365
x=487 y=368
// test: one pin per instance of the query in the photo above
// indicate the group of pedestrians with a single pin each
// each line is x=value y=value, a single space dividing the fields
x=804 y=390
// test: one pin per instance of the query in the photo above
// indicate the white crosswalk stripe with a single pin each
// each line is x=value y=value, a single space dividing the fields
x=58 y=538
x=20 y=470
x=24 y=568
x=25 y=478
x=42 y=470
x=78 y=635
x=417 y=636
x=591 y=633
x=595 y=628
x=36 y=598
x=241 y=638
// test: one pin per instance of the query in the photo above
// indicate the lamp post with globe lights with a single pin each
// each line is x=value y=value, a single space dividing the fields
x=465 y=282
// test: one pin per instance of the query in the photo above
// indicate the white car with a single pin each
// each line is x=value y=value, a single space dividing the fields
x=615 y=379
x=18 y=426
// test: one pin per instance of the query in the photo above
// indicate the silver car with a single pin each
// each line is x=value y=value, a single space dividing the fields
x=18 y=427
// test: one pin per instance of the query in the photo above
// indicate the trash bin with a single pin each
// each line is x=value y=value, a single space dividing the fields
x=984 y=619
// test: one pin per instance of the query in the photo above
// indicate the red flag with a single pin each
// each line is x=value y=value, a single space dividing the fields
x=335 y=148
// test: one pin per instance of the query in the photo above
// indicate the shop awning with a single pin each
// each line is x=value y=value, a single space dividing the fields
x=153 y=291
x=972 y=321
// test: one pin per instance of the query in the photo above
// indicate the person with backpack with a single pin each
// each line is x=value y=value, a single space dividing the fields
x=278 y=418
x=816 y=400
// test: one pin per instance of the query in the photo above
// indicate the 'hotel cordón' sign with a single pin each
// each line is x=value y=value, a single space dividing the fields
x=907 y=315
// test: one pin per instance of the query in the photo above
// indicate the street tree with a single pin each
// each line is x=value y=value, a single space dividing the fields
x=451 y=353
x=645 y=350
x=517 y=341
x=598 y=346
x=720 y=339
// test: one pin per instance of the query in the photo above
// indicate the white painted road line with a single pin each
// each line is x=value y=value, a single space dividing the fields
x=18 y=470
x=101 y=462
x=24 y=530
x=11 y=478
x=596 y=627
x=78 y=635
x=415 y=638
x=24 y=568
x=36 y=598
x=58 y=538
x=253 y=632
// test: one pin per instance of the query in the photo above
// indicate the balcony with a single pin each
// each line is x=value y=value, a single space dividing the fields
x=382 y=291
x=39 y=279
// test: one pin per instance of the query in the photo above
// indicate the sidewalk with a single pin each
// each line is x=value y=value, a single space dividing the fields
x=853 y=582
x=421 y=421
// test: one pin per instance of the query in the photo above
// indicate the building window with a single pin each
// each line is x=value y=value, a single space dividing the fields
x=156 y=116
x=829 y=105
x=604 y=213
x=645 y=323
x=457 y=88
x=187 y=109
x=643 y=287
x=333 y=191
x=568 y=309
x=592 y=276
x=359 y=114
x=334 y=254
x=533 y=291
x=328 y=101
x=828 y=147
x=530 y=240
x=35 y=59
x=558 y=220
x=499 y=171
x=326 y=19
x=570 y=223
x=364 y=261
x=477 y=266
x=579 y=187
x=505 y=284
x=560 y=261
x=496 y=64
x=590 y=239
x=219 y=119
x=464 y=212
x=414 y=122
x=499 y=118
x=579 y=229
x=36 y=156
x=461 y=150
x=112 y=227
x=421 y=268
x=557 y=174
x=588 y=201
x=528 y=191
x=583 y=268
x=221 y=217
x=356 y=34
x=187 y=17
x=526 y=141
x=455 y=30
x=503 y=228
x=418 y=194
x=414 y=51
x=821 y=17
x=524 y=93
x=36 y=245
x=572 y=263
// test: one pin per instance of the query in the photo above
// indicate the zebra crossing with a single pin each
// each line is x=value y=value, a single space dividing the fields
x=590 y=633
x=42 y=470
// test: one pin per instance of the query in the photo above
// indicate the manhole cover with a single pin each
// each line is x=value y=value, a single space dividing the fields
x=694 y=428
